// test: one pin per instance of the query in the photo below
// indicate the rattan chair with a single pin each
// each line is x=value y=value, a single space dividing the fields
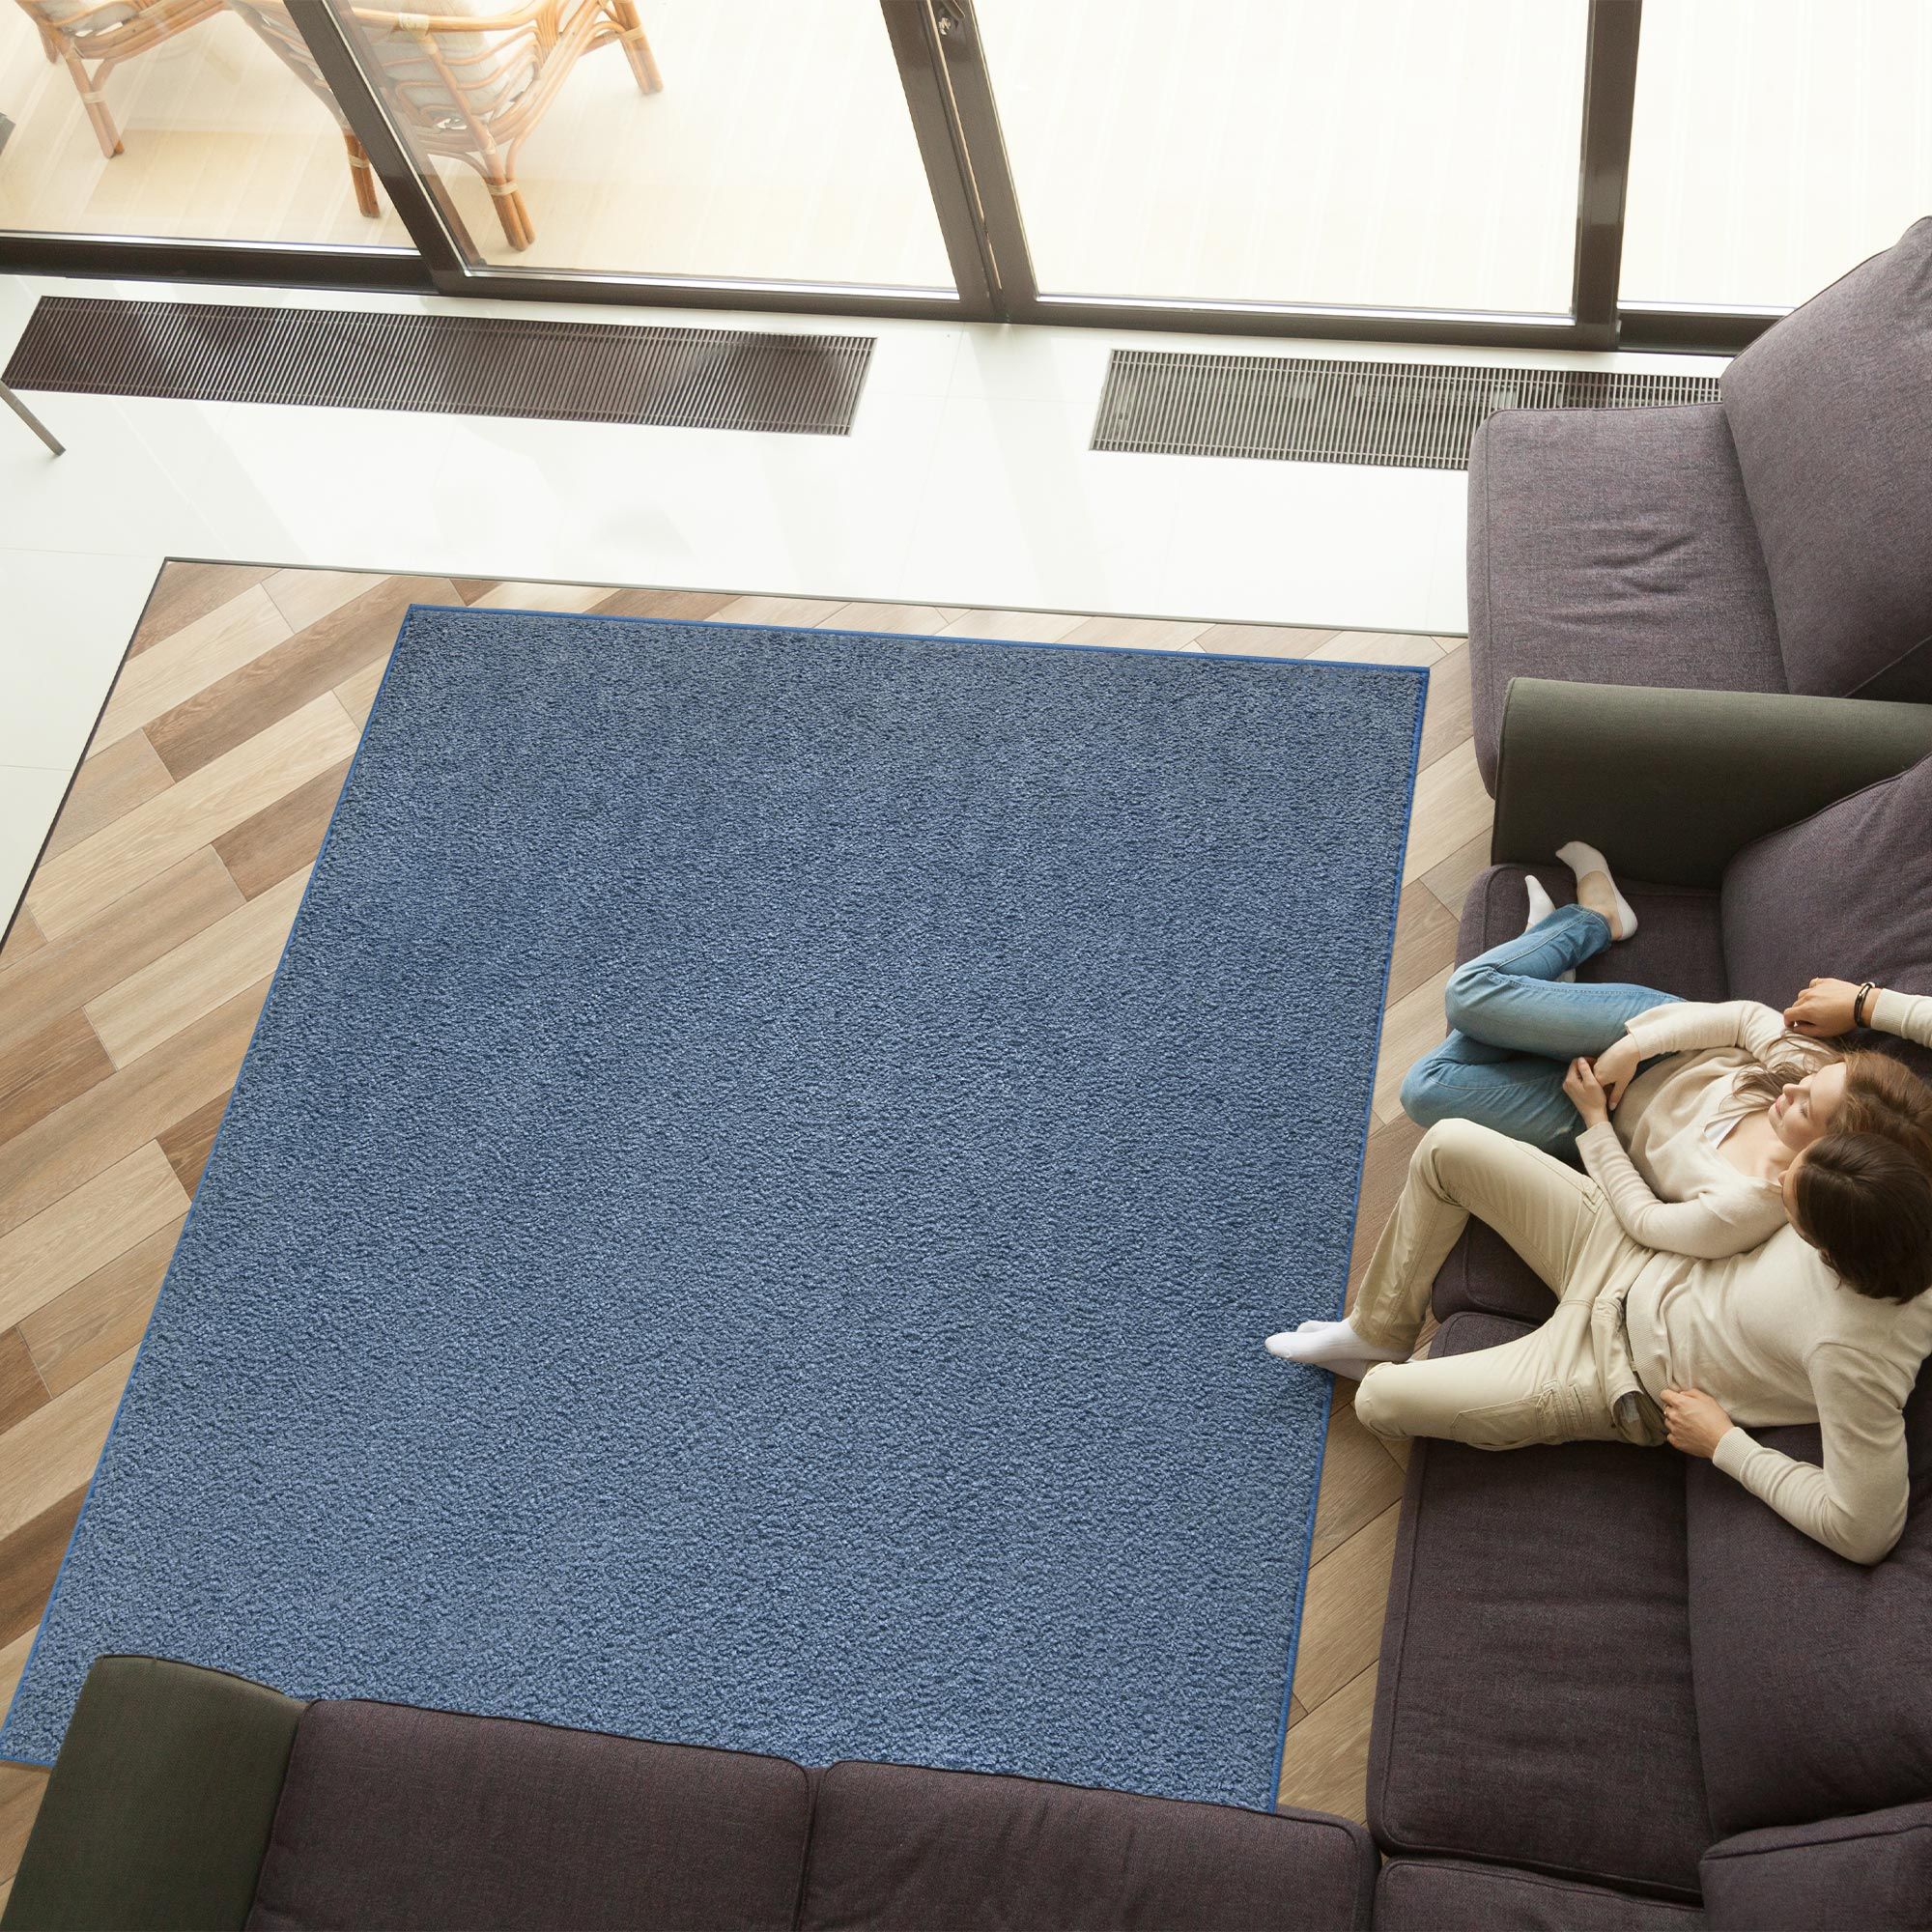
x=74 y=32
x=471 y=86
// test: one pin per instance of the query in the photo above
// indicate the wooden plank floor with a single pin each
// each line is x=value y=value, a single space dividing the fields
x=132 y=977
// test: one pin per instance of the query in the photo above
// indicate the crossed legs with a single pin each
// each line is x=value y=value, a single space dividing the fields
x=1516 y=1023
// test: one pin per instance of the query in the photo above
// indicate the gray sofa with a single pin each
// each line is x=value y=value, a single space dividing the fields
x=1616 y=1690
x=1779 y=540
x=185 y=1798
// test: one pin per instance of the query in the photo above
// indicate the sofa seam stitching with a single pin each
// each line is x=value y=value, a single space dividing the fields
x=1545 y=1882
x=1886 y=668
x=1720 y=1851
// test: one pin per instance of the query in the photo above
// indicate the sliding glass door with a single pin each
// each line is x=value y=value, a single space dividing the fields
x=703 y=140
x=174 y=119
x=1557 y=173
x=1776 y=144
x=1386 y=153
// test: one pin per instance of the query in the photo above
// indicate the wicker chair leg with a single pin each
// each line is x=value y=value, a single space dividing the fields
x=93 y=99
x=50 y=48
x=362 y=174
x=511 y=211
x=526 y=226
x=636 y=49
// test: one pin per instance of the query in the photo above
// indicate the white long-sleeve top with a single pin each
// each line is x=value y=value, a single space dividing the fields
x=1773 y=1335
x=1660 y=1162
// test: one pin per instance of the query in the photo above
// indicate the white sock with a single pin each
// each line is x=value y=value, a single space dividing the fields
x=1541 y=907
x=1330 y=1345
x=1583 y=860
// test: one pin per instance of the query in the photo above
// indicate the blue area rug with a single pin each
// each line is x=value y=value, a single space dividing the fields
x=752 y=1211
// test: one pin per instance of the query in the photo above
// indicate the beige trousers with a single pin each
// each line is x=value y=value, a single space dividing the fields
x=1566 y=1382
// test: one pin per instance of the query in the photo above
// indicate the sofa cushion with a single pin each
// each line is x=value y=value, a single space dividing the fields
x=1868 y=1874
x=1534 y=1704
x=1485 y=1275
x=894 y=1846
x=393 y=1816
x=491 y=69
x=84 y=19
x=1814 y=1698
x=1831 y=415
x=1676 y=949
x=1678 y=946
x=1844 y=895
x=1430 y=1894
x=1615 y=547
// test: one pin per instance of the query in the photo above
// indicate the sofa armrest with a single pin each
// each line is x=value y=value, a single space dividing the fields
x=1872 y=1873
x=160 y=1804
x=1668 y=784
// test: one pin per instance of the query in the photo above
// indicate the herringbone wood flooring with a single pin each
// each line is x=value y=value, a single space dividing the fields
x=133 y=976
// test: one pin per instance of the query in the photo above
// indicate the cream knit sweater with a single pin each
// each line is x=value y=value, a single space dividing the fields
x=1773 y=1335
x=1660 y=1165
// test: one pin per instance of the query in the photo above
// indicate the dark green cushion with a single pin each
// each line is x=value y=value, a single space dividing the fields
x=1669 y=785
x=159 y=1810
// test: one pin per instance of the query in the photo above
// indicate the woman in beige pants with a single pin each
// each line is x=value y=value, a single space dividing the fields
x=1561 y=1384
x=1828 y=1321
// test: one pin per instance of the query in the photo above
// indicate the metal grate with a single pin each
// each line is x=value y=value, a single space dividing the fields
x=448 y=365
x=1405 y=415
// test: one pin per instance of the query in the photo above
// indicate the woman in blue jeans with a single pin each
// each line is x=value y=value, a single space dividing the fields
x=1726 y=1096
x=1518 y=1018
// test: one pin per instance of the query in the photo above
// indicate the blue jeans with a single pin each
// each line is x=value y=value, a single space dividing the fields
x=1515 y=1029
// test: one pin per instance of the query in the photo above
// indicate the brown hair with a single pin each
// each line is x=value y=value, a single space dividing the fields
x=1880 y=1098
x=1867 y=1203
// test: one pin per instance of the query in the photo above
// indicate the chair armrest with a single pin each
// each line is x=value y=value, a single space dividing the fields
x=160 y=1804
x=1873 y=1871
x=1669 y=785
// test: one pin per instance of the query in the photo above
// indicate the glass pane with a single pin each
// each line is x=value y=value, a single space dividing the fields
x=1776 y=144
x=766 y=139
x=201 y=126
x=1412 y=153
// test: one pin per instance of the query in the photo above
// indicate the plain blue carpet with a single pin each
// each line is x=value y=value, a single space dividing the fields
x=752 y=1211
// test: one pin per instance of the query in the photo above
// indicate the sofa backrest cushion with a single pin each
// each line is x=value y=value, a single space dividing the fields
x=1810 y=1673
x=394 y=1816
x=1846 y=895
x=893 y=1846
x=1830 y=411
x=1866 y=1874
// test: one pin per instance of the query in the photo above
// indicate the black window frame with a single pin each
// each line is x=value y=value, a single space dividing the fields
x=950 y=99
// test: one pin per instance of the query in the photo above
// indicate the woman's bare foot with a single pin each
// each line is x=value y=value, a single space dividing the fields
x=1596 y=889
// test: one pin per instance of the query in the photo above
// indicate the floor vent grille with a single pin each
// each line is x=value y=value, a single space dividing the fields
x=445 y=364
x=1295 y=409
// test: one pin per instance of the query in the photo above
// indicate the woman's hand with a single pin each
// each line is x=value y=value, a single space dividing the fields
x=1615 y=1065
x=1823 y=1009
x=1696 y=1425
x=1586 y=1093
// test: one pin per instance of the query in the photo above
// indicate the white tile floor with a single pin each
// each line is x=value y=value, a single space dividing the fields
x=967 y=480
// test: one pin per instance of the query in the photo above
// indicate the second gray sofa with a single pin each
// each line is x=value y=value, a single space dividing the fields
x=1777 y=540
